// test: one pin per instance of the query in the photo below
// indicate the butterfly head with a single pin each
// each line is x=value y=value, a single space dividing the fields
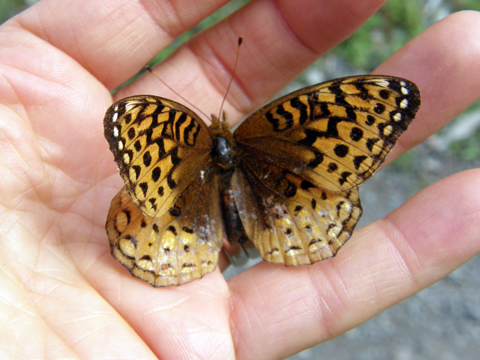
x=219 y=126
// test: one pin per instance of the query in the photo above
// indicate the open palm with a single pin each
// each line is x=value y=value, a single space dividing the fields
x=63 y=295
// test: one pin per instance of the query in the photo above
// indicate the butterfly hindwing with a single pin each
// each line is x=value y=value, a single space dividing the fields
x=178 y=247
x=290 y=220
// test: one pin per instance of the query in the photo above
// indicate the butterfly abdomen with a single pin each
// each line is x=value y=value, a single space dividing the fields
x=233 y=224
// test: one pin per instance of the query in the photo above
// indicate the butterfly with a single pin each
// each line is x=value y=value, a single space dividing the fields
x=287 y=179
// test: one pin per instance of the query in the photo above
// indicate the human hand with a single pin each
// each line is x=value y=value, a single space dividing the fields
x=64 y=295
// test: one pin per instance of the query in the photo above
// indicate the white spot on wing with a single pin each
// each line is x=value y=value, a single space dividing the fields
x=404 y=104
x=382 y=83
x=387 y=130
x=129 y=107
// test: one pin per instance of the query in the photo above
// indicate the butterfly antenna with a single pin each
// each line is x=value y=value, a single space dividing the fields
x=240 y=40
x=150 y=70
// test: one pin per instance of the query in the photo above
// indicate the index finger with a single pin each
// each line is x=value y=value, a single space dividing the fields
x=114 y=39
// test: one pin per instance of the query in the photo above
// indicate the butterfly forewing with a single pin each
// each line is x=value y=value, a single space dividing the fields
x=159 y=146
x=335 y=134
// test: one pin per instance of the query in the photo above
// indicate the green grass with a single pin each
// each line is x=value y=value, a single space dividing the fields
x=385 y=32
x=468 y=149
x=9 y=8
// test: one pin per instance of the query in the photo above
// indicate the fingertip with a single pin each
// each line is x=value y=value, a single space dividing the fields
x=444 y=61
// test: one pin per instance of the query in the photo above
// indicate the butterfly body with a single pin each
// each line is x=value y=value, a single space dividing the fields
x=287 y=179
x=225 y=154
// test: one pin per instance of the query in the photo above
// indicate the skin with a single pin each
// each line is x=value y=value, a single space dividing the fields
x=63 y=296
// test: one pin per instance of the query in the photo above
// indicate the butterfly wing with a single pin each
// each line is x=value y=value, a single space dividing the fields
x=290 y=220
x=164 y=225
x=159 y=146
x=335 y=134
x=304 y=156
x=178 y=247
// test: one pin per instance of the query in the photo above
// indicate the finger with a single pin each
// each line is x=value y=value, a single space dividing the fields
x=46 y=306
x=281 y=38
x=444 y=62
x=189 y=319
x=384 y=263
x=113 y=39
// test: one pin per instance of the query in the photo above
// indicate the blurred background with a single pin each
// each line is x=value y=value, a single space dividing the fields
x=443 y=321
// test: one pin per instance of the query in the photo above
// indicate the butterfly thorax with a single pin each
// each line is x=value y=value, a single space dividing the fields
x=224 y=150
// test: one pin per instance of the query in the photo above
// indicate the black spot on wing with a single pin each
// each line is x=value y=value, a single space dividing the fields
x=174 y=211
x=137 y=146
x=370 y=120
x=156 y=172
x=144 y=187
x=172 y=229
x=357 y=161
x=147 y=159
x=332 y=167
x=379 y=108
x=316 y=161
x=356 y=134
x=187 y=230
x=341 y=150
x=131 y=133
x=305 y=185
x=384 y=94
